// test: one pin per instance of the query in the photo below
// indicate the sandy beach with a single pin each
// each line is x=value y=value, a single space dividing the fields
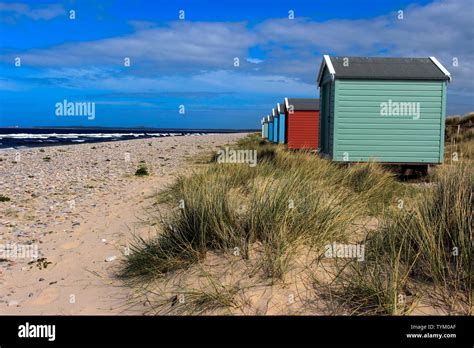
x=80 y=206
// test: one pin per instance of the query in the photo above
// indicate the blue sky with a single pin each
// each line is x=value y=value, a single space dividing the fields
x=190 y=62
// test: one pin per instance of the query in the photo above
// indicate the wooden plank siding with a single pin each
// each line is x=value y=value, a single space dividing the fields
x=276 y=128
x=332 y=92
x=303 y=129
x=281 y=131
x=443 y=123
x=265 y=130
x=362 y=134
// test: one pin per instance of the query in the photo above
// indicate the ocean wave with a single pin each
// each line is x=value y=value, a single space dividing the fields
x=18 y=140
x=68 y=135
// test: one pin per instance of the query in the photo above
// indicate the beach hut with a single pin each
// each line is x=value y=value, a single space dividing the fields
x=390 y=110
x=270 y=128
x=265 y=128
x=281 y=123
x=302 y=121
x=275 y=125
x=262 y=121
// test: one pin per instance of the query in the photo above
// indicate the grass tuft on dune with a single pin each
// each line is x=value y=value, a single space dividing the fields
x=429 y=243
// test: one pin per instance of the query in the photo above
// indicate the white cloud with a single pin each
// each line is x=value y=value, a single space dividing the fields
x=10 y=11
x=224 y=81
x=443 y=29
x=195 y=44
x=254 y=60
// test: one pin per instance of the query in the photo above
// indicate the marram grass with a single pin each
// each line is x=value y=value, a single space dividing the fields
x=295 y=200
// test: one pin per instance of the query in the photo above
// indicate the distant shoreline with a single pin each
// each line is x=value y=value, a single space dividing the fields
x=64 y=130
x=19 y=138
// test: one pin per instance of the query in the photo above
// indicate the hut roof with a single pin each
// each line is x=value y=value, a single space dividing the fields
x=384 y=68
x=302 y=104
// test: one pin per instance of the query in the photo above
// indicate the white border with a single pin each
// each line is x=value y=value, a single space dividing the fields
x=329 y=64
x=441 y=67
x=326 y=62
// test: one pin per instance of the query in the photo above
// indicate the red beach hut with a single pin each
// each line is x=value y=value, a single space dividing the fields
x=302 y=127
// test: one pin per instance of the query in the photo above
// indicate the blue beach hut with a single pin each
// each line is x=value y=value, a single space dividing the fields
x=275 y=126
x=270 y=128
x=281 y=123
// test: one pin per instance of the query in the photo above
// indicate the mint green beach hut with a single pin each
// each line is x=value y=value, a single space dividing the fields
x=389 y=110
x=265 y=127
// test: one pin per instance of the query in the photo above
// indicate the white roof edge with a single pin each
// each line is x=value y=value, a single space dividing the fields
x=278 y=107
x=286 y=103
x=328 y=62
x=441 y=67
x=273 y=112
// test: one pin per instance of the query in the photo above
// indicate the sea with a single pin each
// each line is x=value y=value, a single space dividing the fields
x=18 y=138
